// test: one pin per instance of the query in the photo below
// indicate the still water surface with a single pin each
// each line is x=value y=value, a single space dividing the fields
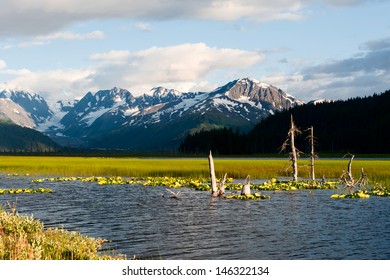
x=140 y=221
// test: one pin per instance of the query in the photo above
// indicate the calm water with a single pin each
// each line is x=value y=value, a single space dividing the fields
x=140 y=221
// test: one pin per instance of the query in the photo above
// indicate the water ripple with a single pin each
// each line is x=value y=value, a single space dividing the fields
x=146 y=222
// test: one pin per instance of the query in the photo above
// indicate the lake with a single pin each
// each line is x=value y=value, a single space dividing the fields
x=146 y=222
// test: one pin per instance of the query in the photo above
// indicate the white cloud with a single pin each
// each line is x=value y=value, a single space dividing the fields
x=19 y=72
x=114 y=56
x=361 y=75
x=52 y=84
x=180 y=64
x=348 y=2
x=2 y=64
x=27 y=18
x=48 y=39
x=73 y=36
x=183 y=67
x=26 y=44
x=47 y=16
x=144 y=26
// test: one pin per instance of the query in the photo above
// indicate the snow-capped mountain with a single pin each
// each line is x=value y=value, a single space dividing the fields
x=259 y=94
x=160 y=118
x=156 y=120
x=34 y=104
x=14 y=113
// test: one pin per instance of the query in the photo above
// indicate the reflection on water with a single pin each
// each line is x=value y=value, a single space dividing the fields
x=146 y=222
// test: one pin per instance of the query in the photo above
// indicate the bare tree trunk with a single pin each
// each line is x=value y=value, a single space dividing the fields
x=214 y=189
x=294 y=153
x=347 y=177
x=294 y=160
x=312 y=154
x=363 y=180
x=350 y=168
x=221 y=186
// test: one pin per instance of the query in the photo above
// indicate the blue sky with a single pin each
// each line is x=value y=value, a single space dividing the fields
x=332 y=49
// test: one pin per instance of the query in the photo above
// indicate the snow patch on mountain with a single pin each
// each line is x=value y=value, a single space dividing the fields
x=188 y=101
x=131 y=111
x=225 y=102
x=92 y=116
x=246 y=99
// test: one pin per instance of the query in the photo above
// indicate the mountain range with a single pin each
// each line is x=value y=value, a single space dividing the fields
x=155 y=121
x=358 y=125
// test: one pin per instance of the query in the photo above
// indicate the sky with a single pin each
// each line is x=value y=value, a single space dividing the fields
x=312 y=49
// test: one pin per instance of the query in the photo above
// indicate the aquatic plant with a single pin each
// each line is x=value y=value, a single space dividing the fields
x=255 y=196
x=276 y=185
x=379 y=191
x=117 y=180
x=29 y=191
x=378 y=170
x=356 y=194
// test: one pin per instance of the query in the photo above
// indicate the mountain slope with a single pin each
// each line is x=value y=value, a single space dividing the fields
x=14 y=138
x=359 y=125
x=157 y=120
x=160 y=119
x=14 y=113
x=32 y=103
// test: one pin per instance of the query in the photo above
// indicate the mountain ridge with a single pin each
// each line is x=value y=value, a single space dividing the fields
x=357 y=125
x=158 y=119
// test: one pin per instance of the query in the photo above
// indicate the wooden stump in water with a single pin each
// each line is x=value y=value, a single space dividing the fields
x=214 y=189
x=221 y=186
x=246 y=188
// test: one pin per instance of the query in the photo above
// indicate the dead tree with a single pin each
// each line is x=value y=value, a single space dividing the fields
x=214 y=189
x=312 y=153
x=349 y=182
x=346 y=176
x=294 y=152
x=221 y=186
x=246 y=188
x=363 y=180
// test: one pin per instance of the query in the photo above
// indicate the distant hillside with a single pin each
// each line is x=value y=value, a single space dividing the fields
x=359 y=125
x=14 y=138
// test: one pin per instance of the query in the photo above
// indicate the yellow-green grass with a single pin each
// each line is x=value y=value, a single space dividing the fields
x=25 y=238
x=378 y=171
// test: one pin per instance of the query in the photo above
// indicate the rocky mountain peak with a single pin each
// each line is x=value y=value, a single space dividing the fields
x=31 y=102
x=10 y=111
x=261 y=94
x=104 y=118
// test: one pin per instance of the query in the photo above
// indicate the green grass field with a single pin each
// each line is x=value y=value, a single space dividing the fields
x=378 y=171
x=33 y=241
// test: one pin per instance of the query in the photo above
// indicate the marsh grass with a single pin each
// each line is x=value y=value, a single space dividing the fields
x=378 y=171
x=25 y=238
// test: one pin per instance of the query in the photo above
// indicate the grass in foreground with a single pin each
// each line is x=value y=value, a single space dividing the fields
x=25 y=238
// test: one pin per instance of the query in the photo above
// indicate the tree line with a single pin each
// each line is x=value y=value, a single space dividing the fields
x=357 y=125
x=15 y=139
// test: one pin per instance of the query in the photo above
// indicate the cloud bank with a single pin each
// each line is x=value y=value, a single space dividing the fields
x=185 y=65
x=31 y=18
x=363 y=74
